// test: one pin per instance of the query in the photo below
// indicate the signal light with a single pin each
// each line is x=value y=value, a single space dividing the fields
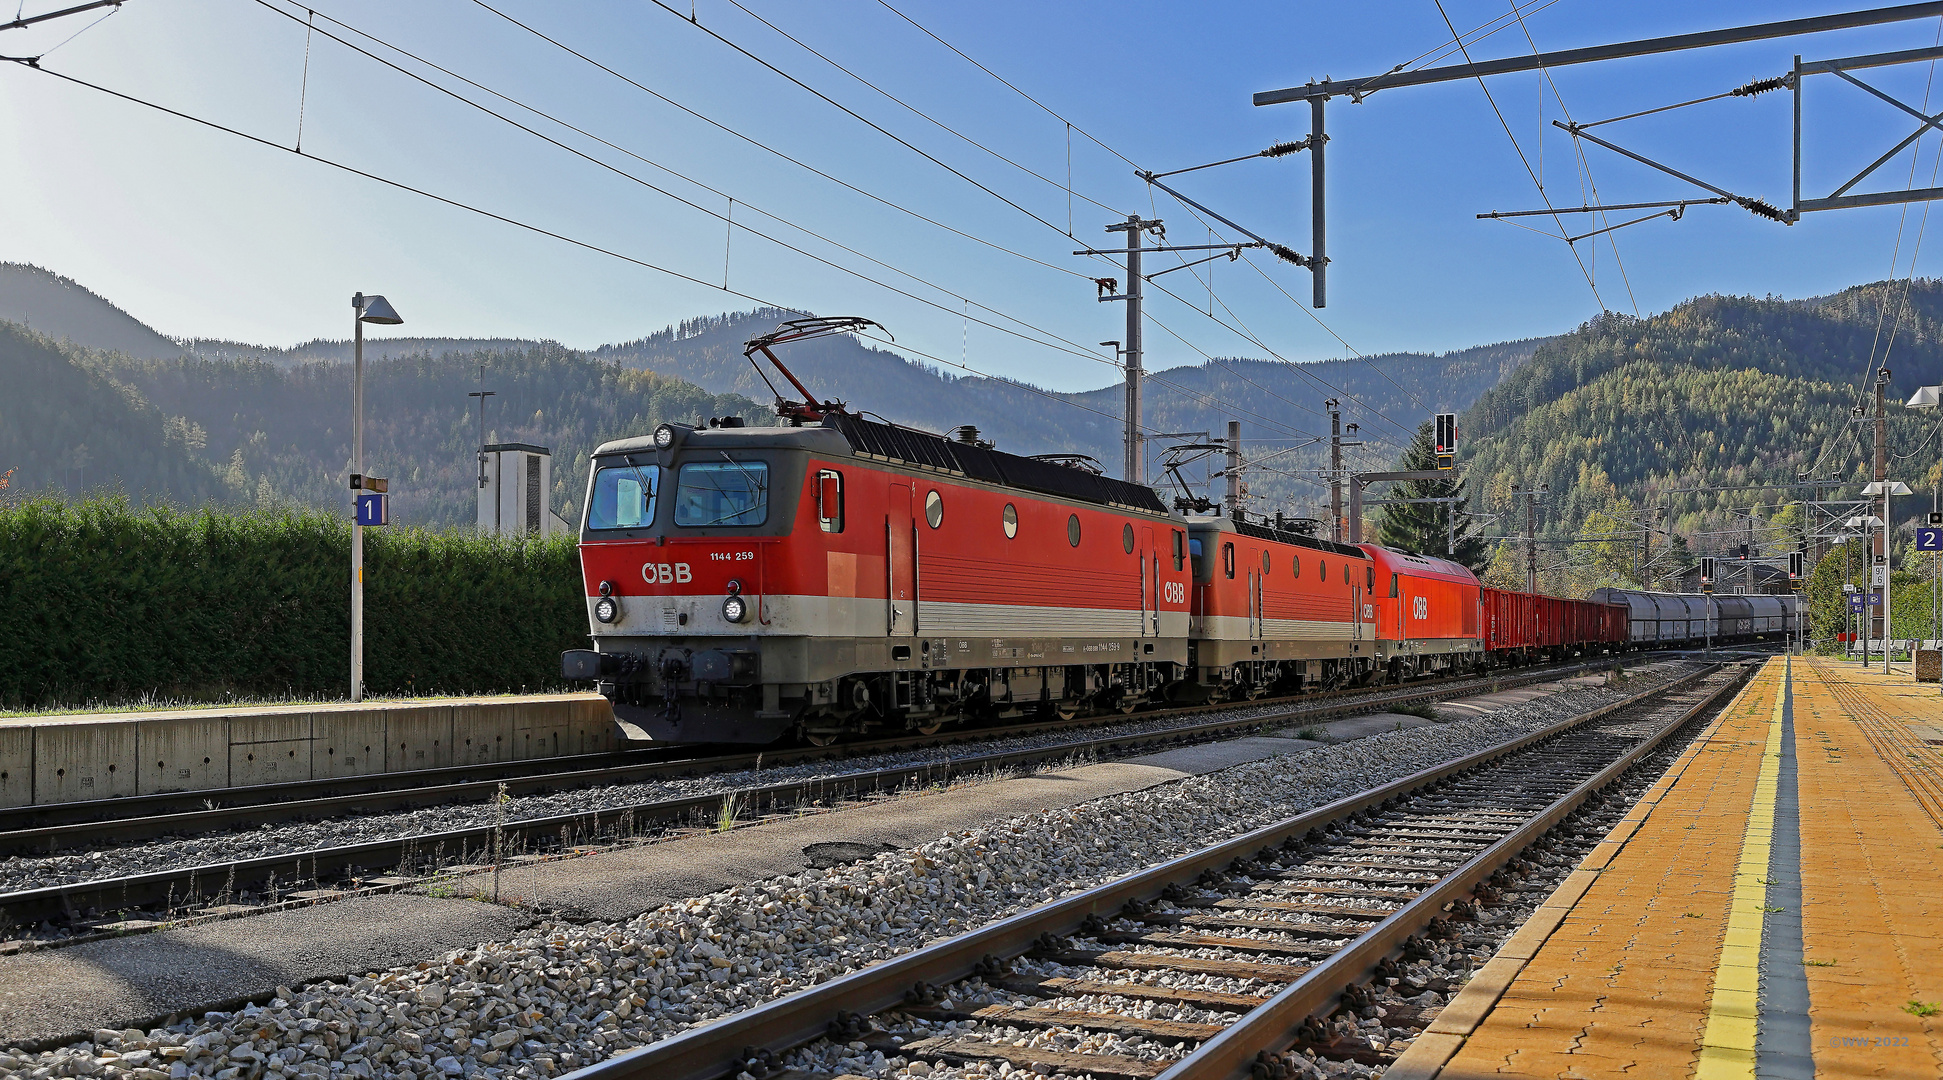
x=735 y=609
x=607 y=609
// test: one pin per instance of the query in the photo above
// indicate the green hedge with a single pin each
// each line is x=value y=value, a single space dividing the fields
x=104 y=602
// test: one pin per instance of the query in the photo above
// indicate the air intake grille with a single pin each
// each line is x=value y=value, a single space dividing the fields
x=533 y=503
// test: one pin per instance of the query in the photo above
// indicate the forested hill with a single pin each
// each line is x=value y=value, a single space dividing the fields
x=1718 y=391
x=248 y=431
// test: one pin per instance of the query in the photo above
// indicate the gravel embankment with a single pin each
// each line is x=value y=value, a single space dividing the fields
x=20 y=872
x=566 y=995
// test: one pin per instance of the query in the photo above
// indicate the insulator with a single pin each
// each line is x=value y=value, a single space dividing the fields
x=1762 y=208
x=1283 y=149
x=1289 y=254
x=1762 y=86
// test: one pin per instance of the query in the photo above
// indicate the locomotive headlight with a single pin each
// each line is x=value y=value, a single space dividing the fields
x=607 y=609
x=735 y=609
x=734 y=587
x=607 y=588
x=664 y=436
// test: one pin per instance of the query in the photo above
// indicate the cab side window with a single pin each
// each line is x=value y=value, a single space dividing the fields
x=1228 y=559
x=1201 y=571
x=1180 y=548
x=829 y=500
x=1393 y=584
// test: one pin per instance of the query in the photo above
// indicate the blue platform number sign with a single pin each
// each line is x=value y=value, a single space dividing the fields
x=374 y=508
x=1929 y=539
x=1859 y=602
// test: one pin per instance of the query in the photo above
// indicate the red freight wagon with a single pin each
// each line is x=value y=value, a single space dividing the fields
x=1426 y=612
x=1520 y=626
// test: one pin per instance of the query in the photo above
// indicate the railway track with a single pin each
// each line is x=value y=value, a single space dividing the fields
x=121 y=904
x=55 y=827
x=1224 y=963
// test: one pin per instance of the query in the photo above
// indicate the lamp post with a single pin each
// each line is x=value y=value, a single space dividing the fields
x=1885 y=489
x=368 y=309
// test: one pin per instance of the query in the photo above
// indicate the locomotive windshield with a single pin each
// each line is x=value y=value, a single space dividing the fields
x=624 y=496
x=726 y=492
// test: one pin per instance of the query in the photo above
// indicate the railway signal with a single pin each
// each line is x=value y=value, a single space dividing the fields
x=1446 y=439
x=1797 y=562
x=1706 y=573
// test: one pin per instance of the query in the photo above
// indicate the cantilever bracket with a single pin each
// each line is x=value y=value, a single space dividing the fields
x=1757 y=207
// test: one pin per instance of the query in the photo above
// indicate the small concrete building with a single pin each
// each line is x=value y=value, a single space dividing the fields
x=514 y=481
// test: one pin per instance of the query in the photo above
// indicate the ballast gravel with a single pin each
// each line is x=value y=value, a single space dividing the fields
x=561 y=996
x=21 y=872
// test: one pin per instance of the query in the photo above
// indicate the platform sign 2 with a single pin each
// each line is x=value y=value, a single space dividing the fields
x=1860 y=602
x=374 y=508
x=1446 y=439
x=1929 y=539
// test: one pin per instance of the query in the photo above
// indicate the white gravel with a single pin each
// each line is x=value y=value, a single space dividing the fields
x=567 y=995
x=20 y=872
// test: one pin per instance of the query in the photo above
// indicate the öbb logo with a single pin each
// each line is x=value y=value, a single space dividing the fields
x=661 y=573
x=1420 y=607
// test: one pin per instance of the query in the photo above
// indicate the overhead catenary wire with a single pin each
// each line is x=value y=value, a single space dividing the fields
x=1207 y=399
x=1058 y=343
x=887 y=95
x=860 y=118
x=1585 y=167
x=1870 y=364
x=1520 y=150
x=1246 y=336
x=538 y=230
x=765 y=147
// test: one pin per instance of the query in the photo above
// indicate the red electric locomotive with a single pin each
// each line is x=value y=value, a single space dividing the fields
x=842 y=574
x=1426 y=613
x=744 y=584
x=1277 y=611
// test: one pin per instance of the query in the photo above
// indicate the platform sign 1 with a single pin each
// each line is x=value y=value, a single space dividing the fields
x=1929 y=539
x=374 y=508
x=1859 y=602
x=1446 y=439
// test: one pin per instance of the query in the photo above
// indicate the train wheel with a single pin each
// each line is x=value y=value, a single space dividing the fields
x=931 y=728
x=819 y=738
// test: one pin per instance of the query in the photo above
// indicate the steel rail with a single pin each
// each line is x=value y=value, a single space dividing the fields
x=1271 y=1026
x=717 y=1048
x=210 y=881
x=67 y=826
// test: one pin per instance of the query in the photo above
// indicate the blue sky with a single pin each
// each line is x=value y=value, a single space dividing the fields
x=200 y=233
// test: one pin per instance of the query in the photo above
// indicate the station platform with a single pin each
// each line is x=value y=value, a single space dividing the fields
x=77 y=757
x=1773 y=907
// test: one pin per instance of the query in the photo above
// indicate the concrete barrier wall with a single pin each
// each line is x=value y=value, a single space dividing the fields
x=47 y=759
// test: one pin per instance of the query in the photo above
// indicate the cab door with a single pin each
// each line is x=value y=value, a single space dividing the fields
x=1149 y=584
x=900 y=550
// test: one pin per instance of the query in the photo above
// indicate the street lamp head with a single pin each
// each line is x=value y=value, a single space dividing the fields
x=376 y=309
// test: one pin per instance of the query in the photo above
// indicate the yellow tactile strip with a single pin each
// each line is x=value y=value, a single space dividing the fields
x=1872 y=882
x=1896 y=715
x=1615 y=974
x=1727 y=1047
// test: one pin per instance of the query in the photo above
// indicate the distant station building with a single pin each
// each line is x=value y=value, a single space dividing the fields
x=514 y=479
